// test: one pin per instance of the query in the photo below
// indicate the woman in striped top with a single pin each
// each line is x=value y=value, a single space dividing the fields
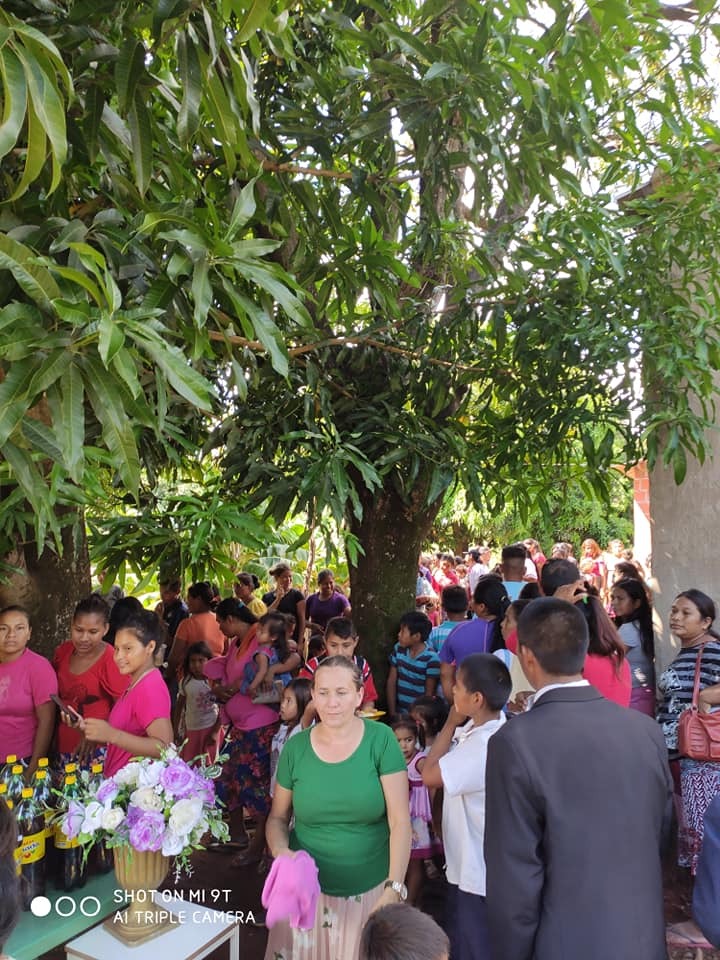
x=691 y=617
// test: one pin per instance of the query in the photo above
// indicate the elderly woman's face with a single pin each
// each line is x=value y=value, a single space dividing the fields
x=335 y=696
x=14 y=635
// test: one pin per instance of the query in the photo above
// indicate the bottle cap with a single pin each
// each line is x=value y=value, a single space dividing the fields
x=18 y=768
x=97 y=768
x=41 y=774
x=70 y=781
x=26 y=793
x=42 y=763
x=10 y=804
x=11 y=758
x=70 y=768
x=3 y=788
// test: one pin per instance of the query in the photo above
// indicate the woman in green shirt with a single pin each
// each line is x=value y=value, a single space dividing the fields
x=345 y=782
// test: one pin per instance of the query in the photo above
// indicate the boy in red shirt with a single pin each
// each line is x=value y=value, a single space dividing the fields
x=341 y=640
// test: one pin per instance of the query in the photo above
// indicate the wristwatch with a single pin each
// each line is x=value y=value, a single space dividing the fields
x=399 y=888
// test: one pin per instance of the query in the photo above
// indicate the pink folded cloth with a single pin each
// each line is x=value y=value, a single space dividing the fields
x=291 y=891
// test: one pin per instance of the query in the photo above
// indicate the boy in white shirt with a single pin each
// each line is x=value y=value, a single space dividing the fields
x=456 y=763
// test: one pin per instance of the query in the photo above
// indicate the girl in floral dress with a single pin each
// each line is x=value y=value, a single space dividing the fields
x=424 y=842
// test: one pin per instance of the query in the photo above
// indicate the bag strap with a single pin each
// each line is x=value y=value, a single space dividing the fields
x=696 y=685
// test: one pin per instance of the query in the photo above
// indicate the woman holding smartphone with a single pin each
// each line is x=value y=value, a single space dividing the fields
x=89 y=681
x=139 y=723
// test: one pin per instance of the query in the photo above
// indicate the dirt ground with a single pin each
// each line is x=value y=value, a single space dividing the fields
x=213 y=872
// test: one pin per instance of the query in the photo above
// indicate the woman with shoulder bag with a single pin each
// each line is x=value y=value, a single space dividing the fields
x=691 y=618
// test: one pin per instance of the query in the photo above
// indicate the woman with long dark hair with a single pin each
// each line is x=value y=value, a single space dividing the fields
x=633 y=618
x=691 y=620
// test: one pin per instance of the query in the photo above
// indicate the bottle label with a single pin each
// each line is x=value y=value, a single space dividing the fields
x=61 y=840
x=32 y=848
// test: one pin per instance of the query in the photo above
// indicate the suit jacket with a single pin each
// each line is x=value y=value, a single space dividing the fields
x=578 y=792
x=706 y=896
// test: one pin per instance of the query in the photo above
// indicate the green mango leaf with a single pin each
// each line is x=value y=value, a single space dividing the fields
x=14 y=91
x=36 y=281
x=142 y=142
x=111 y=339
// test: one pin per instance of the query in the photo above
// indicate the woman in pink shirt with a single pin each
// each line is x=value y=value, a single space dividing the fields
x=245 y=779
x=139 y=723
x=27 y=681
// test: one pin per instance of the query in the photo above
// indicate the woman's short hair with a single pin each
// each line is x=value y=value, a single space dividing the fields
x=346 y=664
x=279 y=568
x=402 y=932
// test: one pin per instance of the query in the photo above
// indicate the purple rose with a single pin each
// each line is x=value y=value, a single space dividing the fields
x=107 y=792
x=133 y=815
x=73 y=819
x=148 y=830
x=205 y=790
x=179 y=779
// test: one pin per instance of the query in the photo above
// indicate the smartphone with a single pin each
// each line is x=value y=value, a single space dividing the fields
x=65 y=707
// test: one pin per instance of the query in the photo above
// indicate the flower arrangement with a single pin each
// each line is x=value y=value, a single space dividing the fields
x=149 y=805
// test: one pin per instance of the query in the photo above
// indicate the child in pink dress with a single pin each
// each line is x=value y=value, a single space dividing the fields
x=424 y=842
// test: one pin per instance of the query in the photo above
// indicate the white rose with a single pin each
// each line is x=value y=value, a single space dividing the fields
x=127 y=776
x=185 y=816
x=173 y=844
x=93 y=817
x=150 y=773
x=146 y=799
x=170 y=752
x=112 y=818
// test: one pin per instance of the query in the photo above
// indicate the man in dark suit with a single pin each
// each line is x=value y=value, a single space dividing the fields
x=578 y=798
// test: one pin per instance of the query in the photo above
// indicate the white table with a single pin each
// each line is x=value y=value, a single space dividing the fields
x=194 y=934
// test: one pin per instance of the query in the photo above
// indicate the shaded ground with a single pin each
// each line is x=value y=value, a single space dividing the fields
x=217 y=885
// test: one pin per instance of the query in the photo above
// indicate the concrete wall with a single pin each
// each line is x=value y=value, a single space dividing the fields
x=685 y=524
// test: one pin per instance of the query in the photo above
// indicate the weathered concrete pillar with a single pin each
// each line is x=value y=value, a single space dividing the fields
x=685 y=524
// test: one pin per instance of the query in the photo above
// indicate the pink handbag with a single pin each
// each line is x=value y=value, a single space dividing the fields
x=698 y=733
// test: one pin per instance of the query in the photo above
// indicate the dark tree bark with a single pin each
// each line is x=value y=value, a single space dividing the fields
x=49 y=586
x=392 y=532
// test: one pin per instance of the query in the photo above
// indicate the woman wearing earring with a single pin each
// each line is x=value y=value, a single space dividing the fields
x=139 y=723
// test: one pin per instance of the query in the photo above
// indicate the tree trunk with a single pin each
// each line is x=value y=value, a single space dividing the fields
x=382 y=582
x=49 y=586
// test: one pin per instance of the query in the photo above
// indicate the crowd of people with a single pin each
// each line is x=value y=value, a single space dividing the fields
x=522 y=708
